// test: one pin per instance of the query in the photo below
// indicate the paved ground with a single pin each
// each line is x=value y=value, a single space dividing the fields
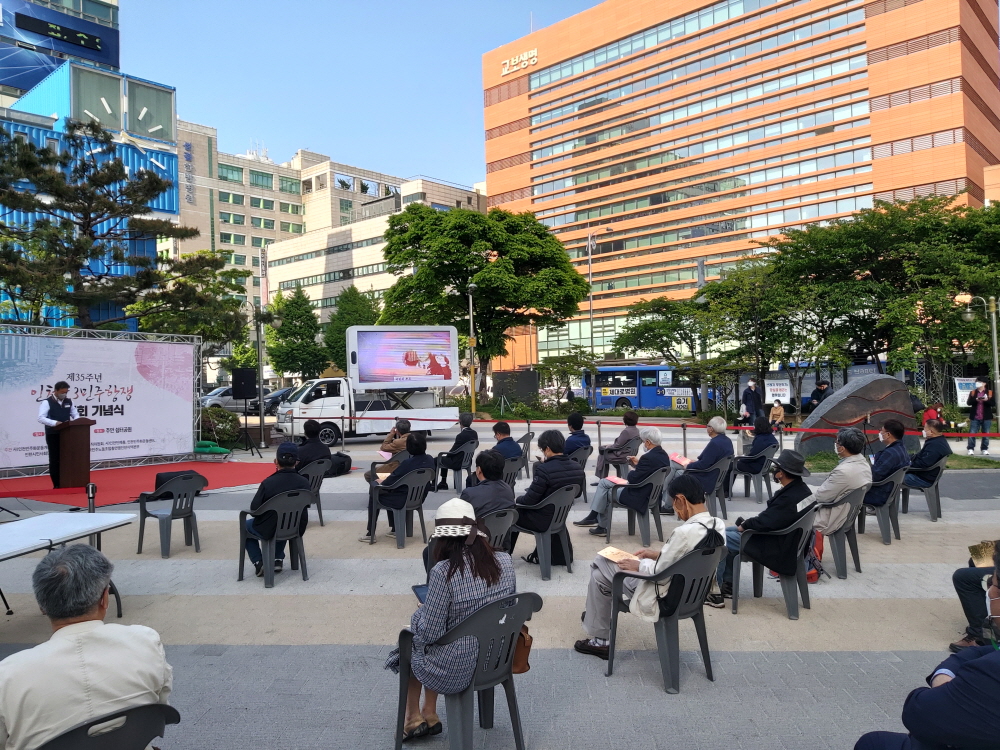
x=300 y=665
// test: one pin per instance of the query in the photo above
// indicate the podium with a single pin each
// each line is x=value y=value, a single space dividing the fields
x=74 y=452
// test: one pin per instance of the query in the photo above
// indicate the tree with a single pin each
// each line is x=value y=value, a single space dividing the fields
x=560 y=370
x=296 y=349
x=244 y=353
x=93 y=217
x=354 y=308
x=521 y=272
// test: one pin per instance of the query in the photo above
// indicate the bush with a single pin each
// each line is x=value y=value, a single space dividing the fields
x=219 y=425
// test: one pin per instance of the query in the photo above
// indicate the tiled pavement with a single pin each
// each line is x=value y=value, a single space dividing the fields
x=300 y=665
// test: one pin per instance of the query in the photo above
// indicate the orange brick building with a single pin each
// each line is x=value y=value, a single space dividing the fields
x=674 y=134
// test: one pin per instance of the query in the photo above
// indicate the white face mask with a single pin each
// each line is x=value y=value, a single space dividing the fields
x=881 y=437
x=924 y=433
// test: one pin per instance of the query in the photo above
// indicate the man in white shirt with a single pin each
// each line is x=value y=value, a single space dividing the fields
x=86 y=669
x=55 y=410
x=688 y=498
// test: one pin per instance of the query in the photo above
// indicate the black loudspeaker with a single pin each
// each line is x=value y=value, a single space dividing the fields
x=244 y=383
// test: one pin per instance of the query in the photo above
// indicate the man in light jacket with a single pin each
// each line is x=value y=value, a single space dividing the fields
x=853 y=472
x=689 y=503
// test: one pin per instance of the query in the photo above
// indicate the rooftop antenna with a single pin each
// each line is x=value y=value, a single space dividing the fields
x=531 y=22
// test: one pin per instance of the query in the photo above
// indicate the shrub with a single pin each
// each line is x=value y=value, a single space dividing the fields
x=219 y=425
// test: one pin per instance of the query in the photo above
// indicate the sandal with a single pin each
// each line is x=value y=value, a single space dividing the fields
x=435 y=728
x=531 y=558
x=420 y=730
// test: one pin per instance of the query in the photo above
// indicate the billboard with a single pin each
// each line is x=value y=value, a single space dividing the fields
x=381 y=357
x=140 y=393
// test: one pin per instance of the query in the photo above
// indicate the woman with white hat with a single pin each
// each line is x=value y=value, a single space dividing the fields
x=466 y=574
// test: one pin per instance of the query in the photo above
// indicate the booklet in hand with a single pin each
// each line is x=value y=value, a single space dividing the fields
x=616 y=555
x=982 y=554
x=385 y=455
x=677 y=458
x=617 y=480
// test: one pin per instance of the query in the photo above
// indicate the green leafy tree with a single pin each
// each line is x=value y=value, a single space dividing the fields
x=560 y=370
x=244 y=353
x=521 y=272
x=276 y=307
x=296 y=348
x=354 y=308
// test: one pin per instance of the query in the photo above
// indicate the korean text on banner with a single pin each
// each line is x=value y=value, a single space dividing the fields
x=777 y=390
x=963 y=387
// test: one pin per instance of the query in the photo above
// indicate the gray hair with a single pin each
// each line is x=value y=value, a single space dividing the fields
x=652 y=434
x=70 y=581
x=852 y=440
x=718 y=425
x=403 y=426
x=465 y=419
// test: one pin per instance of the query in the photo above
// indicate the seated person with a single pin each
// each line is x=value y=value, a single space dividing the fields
x=577 y=437
x=852 y=472
x=465 y=435
x=719 y=446
x=466 y=575
x=615 y=453
x=934 y=411
x=491 y=493
x=312 y=448
x=394 y=442
x=689 y=504
x=935 y=448
x=775 y=552
x=87 y=668
x=285 y=479
x=971 y=584
x=961 y=708
x=888 y=461
x=506 y=446
x=777 y=415
x=763 y=438
x=637 y=499
x=416 y=446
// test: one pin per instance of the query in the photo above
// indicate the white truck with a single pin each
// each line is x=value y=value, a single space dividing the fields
x=343 y=411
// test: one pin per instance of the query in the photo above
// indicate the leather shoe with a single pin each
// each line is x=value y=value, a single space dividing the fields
x=589 y=520
x=586 y=647
x=598 y=531
x=279 y=565
x=442 y=485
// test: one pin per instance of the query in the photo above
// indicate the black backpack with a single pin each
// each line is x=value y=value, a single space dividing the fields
x=341 y=464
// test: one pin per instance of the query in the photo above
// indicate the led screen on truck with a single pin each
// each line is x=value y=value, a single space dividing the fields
x=402 y=356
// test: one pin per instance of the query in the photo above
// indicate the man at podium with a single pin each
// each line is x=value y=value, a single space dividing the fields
x=51 y=412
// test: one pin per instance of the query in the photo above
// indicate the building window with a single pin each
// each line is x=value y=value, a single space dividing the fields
x=261 y=223
x=230 y=174
x=262 y=179
x=368 y=188
x=344 y=182
x=292 y=208
x=239 y=260
x=346 y=205
x=234 y=198
x=289 y=185
x=256 y=301
x=260 y=241
x=265 y=203
x=228 y=218
x=287 y=226
x=256 y=280
x=414 y=197
x=307 y=186
x=439 y=207
x=321 y=182
x=232 y=239
x=256 y=260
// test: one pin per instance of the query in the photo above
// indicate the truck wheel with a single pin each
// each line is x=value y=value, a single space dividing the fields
x=623 y=403
x=329 y=434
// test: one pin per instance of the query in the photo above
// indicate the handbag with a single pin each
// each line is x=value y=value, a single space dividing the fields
x=522 y=650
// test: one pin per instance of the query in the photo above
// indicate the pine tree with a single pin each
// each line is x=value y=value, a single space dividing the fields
x=296 y=349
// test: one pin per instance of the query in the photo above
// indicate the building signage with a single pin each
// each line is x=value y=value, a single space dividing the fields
x=519 y=62
x=665 y=378
x=618 y=391
x=188 y=172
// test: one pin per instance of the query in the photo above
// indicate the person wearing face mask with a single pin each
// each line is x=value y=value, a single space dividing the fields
x=888 y=461
x=753 y=406
x=960 y=710
x=981 y=416
x=969 y=583
x=777 y=415
x=935 y=448
x=851 y=473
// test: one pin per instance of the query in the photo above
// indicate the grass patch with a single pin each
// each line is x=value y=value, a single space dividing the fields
x=822 y=462
x=827 y=460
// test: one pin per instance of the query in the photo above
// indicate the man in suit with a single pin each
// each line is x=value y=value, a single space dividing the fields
x=466 y=435
x=719 y=446
x=888 y=461
x=506 y=446
x=285 y=479
x=852 y=473
x=53 y=411
x=416 y=446
x=934 y=449
x=615 y=453
x=312 y=449
x=577 y=437
x=961 y=707
x=652 y=460
x=491 y=493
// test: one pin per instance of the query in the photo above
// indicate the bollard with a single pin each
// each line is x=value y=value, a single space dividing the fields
x=343 y=435
x=684 y=436
x=598 y=437
x=95 y=539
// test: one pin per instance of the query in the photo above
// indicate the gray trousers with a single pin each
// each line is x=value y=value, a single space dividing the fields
x=597 y=618
x=599 y=505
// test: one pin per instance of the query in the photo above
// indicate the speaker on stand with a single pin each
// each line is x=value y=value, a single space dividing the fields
x=244 y=389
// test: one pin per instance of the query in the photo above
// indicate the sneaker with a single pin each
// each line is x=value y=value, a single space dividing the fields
x=985 y=452
x=593 y=484
x=442 y=485
x=587 y=646
x=972 y=452
x=390 y=534
x=258 y=569
x=726 y=589
x=598 y=531
x=870 y=510
x=366 y=539
x=590 y=520
x=966 y=641
x=715 y=600
x=279 y=565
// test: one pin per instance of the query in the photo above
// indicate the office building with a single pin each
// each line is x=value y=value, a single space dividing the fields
x=664 y=134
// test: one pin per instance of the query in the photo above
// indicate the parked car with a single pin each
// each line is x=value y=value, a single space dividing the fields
x=224 y=397
x=271 y=402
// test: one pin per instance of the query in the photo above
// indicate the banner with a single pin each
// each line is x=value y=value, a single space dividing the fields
x=963 y=387
x=140 y=393
x=777 y=390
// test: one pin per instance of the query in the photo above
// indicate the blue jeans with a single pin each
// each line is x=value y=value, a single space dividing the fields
x=725 y=572
x=253 y=546
x=917 y=481
x=979 y=425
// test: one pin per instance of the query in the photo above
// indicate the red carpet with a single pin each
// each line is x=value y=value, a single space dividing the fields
x=116 y=486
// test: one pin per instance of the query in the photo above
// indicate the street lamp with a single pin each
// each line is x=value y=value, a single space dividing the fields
x=472 y=353
x=260 y=317
x=591 y=246
x=969 y=315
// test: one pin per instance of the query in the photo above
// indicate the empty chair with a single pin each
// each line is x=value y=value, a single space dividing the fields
x=525 y=442
x=804 y=528
x=932 y=493
x=581 y=456
x=690 y=579
x=496 y=627
x=462 y=455
x=623 y=468
x=416 y=483
x=499 y=523
x=887 y=514
x=718 y=495
x=758 y=477
x=846 y=533
x=560 y=501
x=141 y=725
x=655 y=483
x=512 y=469
x=314 y=471
x=289 y=507
x=182 y=489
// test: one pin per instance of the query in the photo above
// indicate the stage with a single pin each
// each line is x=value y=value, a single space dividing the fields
x=116 y=486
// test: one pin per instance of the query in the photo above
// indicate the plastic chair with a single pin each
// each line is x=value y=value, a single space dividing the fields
x=498 y=523
x=560 y=501
x=314 y=471
x=932 y=493
x=758 y=478
x=466 y=452
x=417 y=484
x=581 y=456
x=846 y=532
x=289 y=506
x=788 y=583
x=696 y=571
x=141 y=725
x=512 y=469
x=496 y=627
x=888 y=513
x=525 y=442
x=718 y=495
x=655 y=481
x=622 y=469
x=182 y=489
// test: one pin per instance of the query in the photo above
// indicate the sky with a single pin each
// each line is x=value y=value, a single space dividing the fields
x=392 y=86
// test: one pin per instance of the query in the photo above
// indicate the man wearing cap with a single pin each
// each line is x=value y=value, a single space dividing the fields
x=776 y=552
x=285 y=479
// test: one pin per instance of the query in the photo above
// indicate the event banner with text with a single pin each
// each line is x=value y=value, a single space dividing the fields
x=139 y=393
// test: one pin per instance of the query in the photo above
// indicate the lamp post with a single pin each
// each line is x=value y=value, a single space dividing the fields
x=591 y=246
x=260 y=317
x=472 y=353
x=968 y=315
